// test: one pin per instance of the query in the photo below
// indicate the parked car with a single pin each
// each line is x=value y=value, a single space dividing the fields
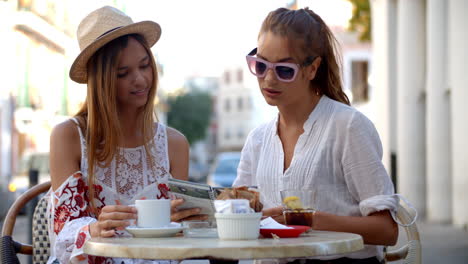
x=197 y=172
x=224 y=170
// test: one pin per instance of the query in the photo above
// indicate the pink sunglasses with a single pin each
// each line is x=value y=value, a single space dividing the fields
x=284 y=71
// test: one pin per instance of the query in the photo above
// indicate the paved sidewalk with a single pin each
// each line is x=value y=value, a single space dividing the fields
x=441 y=244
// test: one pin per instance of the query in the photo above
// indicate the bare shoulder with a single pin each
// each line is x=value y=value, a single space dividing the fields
x=65 y=136
x=178 y=148
x=176 y=139
x=65 y=152
x=65 y=131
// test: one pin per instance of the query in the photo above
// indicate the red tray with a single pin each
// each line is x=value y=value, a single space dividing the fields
x=295 y=231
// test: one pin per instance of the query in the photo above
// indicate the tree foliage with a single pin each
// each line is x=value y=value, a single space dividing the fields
x=360 y=22
x=190 y=114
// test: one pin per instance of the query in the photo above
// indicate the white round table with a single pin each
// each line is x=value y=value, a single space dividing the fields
x=313 y=243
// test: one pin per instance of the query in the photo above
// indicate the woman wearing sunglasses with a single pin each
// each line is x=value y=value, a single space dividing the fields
x=318 y=141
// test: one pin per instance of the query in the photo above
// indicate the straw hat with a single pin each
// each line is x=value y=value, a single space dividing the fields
x=102 y=26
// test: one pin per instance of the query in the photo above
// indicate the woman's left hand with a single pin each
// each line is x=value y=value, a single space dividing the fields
x=185 y=214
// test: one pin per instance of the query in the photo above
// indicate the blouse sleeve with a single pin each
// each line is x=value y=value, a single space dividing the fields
x=363 y=169
x=247 y=165
x=69 y=220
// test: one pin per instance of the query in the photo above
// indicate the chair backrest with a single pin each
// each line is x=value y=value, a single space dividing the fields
x=40 y=232
x=9 y=247
x=411 y=252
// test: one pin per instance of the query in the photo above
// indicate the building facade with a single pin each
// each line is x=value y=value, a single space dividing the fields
x=421 y=84
x=234 y=108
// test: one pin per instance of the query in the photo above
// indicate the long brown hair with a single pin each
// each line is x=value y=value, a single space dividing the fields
x=310 y=37
x=98 y=116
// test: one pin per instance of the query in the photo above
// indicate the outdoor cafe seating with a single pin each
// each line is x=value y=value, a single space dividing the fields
x=39 y=250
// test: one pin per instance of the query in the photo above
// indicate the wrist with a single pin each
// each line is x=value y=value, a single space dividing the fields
x=315 y=219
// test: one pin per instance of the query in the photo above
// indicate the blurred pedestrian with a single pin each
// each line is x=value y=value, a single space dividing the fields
x=317 y=141
x=112 y=151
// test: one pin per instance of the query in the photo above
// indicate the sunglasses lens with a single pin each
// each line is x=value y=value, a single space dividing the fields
x=260 y=67
x=284 y=72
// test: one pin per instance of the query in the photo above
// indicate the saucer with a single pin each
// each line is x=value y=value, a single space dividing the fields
x=154 y=232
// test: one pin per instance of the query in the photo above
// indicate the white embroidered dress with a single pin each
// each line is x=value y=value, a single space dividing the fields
x=129 y=177
x=338 y=156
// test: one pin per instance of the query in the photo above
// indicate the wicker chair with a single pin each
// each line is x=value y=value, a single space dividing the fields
x=9 y=248
x=411 y=252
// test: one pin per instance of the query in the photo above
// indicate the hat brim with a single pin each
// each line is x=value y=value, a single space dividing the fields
x=150 y=30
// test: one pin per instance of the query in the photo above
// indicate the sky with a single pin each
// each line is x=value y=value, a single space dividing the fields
x=204 y=37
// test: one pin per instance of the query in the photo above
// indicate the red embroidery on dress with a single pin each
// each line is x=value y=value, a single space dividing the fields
x=164 y=190
x=80 y=240
x=73 y=202
x=99 y=201
x=79 y=201
x=99 y=260
x=61 y=217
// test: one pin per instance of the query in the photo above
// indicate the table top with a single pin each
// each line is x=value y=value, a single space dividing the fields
x=313 y=243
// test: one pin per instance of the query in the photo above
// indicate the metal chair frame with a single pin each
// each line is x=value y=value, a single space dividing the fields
x=9 y=248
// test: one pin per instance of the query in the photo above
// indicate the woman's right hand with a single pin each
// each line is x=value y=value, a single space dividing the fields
x=178 y=215
x=112 y=218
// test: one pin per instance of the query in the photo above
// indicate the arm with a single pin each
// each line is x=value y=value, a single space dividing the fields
x=70 y=221
x=65 y=159
x=245 y=174
x=65 y=153
x=366 y=178
x=376 y=229
x=69 y=218
x=178 y=149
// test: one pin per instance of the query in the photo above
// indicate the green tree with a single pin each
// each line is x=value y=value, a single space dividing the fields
x=190 y=113
x=360 y=22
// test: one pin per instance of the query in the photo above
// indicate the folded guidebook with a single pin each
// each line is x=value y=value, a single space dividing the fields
x=195 y=195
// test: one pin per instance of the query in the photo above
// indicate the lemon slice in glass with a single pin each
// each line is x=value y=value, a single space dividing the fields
x=293 y=202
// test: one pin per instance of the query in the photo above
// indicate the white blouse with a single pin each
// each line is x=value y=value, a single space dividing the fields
x=338 y=156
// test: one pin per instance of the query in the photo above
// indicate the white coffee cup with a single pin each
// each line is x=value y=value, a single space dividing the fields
x=153 y=213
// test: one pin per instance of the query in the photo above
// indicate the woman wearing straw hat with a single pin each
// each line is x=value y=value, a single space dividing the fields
x=111 y=152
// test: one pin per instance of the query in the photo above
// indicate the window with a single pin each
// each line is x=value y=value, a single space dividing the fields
x=359 y=85
x=227 y=105
x=240 y=75
x=240 y=104
x=227 y=78
x=240 y=134
x=227 y=134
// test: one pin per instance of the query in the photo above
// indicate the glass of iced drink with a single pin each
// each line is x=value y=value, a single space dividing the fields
x=298 y=206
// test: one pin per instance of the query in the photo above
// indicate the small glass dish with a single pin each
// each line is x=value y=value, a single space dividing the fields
x=202 y=229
